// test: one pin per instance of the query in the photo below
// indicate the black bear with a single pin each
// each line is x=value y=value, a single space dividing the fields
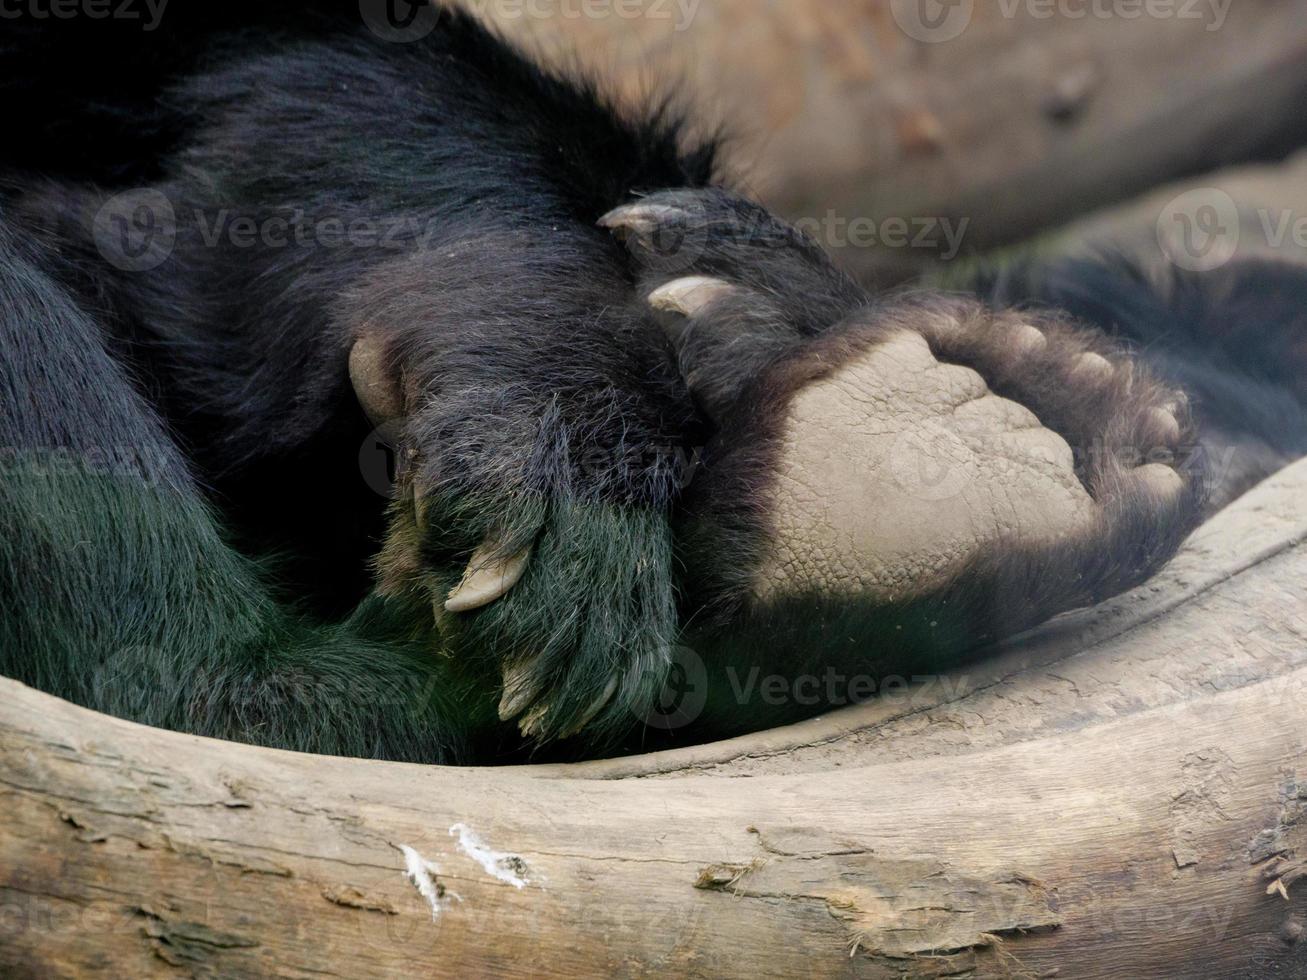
x=626 y=407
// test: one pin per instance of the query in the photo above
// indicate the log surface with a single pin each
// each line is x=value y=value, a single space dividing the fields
x=1031 y=115
x=1123 y=794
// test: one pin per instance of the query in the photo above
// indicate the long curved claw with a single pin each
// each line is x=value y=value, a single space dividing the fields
x=488 y=577
x=373 y=383
x=638 y=220
x=593 y=710
x=518 y=695
x=517 y=691
x=689 y=295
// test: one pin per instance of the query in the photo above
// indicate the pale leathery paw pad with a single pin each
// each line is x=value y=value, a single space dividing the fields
x=931 y=441
x=566 y=604
x=895 y=469
x=901 y=459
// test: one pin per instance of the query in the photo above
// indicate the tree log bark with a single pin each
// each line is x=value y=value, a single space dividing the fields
x=1034 y=113
x=1122 y=794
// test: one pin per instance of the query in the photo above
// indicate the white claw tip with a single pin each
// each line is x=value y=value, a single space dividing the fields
x=596 y=706
x=641 y=218
x=1165 y=425
x=533 y=722
x=1093 y=366
x=1161 y=480
x=517 y=691
x=1028 y=339
x=374 y=387
x=689 y=295
x=486 y=579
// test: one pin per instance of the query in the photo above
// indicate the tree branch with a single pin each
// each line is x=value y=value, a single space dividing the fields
x=1125 y=794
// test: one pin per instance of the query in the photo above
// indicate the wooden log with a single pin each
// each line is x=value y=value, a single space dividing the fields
x=1123 y=794
x=853 y=118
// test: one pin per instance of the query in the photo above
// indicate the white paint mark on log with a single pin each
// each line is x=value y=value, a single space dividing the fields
x=508 y=868
x=423 y=873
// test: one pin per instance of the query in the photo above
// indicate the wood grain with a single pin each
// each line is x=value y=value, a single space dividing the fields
x=1122 y=795
x=1035 y=113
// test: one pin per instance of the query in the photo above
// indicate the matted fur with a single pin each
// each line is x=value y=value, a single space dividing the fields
x=543 y=404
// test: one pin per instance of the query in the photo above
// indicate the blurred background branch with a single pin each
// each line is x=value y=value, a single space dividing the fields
x=1011 y=116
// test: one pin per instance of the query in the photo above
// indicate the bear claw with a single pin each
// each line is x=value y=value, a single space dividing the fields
x=489 y=576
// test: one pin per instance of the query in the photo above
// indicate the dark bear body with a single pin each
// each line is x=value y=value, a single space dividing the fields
x=189 y=259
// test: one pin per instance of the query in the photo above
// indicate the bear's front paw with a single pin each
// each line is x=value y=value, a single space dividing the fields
x=564 y=598
x=936 y=446
x=910 y=458
x=1008 y=465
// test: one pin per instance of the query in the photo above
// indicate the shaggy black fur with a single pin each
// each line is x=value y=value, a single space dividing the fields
x=119 y=590
x=745 y=357
x=443 y=194
x=1234 y=338
x=188 y=256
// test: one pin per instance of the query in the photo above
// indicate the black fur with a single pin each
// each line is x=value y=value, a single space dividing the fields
x=238 y=555
x=118 y=588
x=544 y=406
x=1234 y=338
